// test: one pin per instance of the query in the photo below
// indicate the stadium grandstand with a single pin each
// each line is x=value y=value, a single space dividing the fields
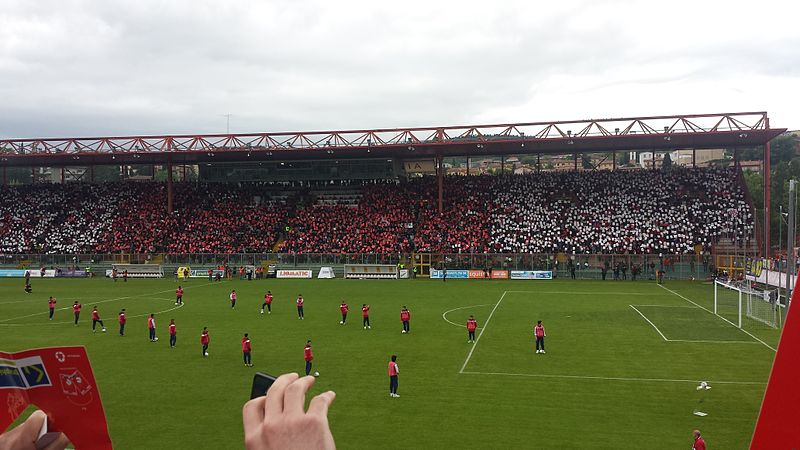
x=384 y=196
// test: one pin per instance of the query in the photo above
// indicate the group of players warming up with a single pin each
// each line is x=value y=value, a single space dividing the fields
x=205 y=338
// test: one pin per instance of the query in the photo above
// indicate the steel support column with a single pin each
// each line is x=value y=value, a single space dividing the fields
x=440 y=180
x=694 y=158
x=614 y=160
x=170 y=193
x=767 y=196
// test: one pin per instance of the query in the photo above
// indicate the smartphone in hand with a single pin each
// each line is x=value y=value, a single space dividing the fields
x=261 y=384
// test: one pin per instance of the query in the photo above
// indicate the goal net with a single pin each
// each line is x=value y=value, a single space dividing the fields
x=745 y=306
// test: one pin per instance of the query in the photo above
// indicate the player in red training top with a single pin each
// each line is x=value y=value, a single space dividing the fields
x=344 y=309
x=125 y=275
x=267 y=303
x=233 y=299
x=173 y=333
x=300 y=302
x=365 y=316
x=151 y=327
x=205 y=339
x=308 y=355
x=405 y=317
x=96 y=320
x=51 y=305
x=393 y=371
x=699 y=443
x=122 y=321
x=538 y=332
x=76 y=311
x=246 y=351
x=472 y=325
x=179 y=296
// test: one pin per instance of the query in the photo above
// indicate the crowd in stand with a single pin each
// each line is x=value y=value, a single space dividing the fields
x=582 y=212
x=618 y=212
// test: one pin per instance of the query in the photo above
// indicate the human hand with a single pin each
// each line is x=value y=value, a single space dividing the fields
x=24 y=436
x=279 y=421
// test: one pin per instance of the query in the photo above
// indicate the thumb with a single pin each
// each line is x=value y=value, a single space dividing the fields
x=25 y=435
x=318 y=406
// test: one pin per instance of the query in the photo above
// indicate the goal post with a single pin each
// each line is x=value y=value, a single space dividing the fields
x=746 y=307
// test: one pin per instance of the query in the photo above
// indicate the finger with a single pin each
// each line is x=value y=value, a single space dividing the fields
x=59 y=444
x=318 y=406
x=28 y=432
x=253 y=413
x=274 y=403
x=295 y=400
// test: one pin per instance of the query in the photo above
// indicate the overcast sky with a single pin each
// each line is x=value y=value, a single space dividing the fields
x=78 y=68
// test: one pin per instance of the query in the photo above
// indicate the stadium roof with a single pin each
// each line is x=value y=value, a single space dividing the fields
x=694 y=131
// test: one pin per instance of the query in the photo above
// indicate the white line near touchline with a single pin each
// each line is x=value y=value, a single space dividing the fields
x=726 y=320
x=642 y=294
x=670 y=306
x=70 y=322
x=466 y=361
x=106 y=301
x=587 y=377
x=691 y=341
x=444 y=314
x=651 y=323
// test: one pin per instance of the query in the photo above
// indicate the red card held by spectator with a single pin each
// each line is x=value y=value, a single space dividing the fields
x=60 y=382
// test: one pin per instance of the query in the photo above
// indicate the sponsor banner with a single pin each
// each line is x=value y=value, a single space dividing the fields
x=326 y=272
x=72 y=274
x=12 y=273
x=295 y=274
x=531 y=275
x=36 y=273
x=451 y=273
x=476 y=274
x=59 y=381
x=499 y=274
x=203 y=273
x=403 y=273
x=20 y=273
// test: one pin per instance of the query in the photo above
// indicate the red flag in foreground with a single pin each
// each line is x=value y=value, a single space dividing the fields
x=60 y=382
x=777 y=426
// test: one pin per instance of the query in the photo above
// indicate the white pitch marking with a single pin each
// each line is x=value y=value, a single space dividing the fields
x=466 y=361
x=711 y=342
x=669 y=306
x=651 y=323
x=70 y=322
x=585 y=377
x=456 y=309
x=726 y=320
x=642 y=294
x=104 y=301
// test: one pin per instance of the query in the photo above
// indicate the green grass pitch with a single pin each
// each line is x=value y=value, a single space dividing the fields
x=615 y=376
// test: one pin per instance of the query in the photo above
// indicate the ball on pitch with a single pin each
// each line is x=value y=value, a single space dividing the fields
x=316 y=374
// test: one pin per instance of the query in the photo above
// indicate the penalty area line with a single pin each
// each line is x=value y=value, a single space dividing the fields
x=726 y=320
x=599 y=378
x=475 y=344
x=651 y=323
